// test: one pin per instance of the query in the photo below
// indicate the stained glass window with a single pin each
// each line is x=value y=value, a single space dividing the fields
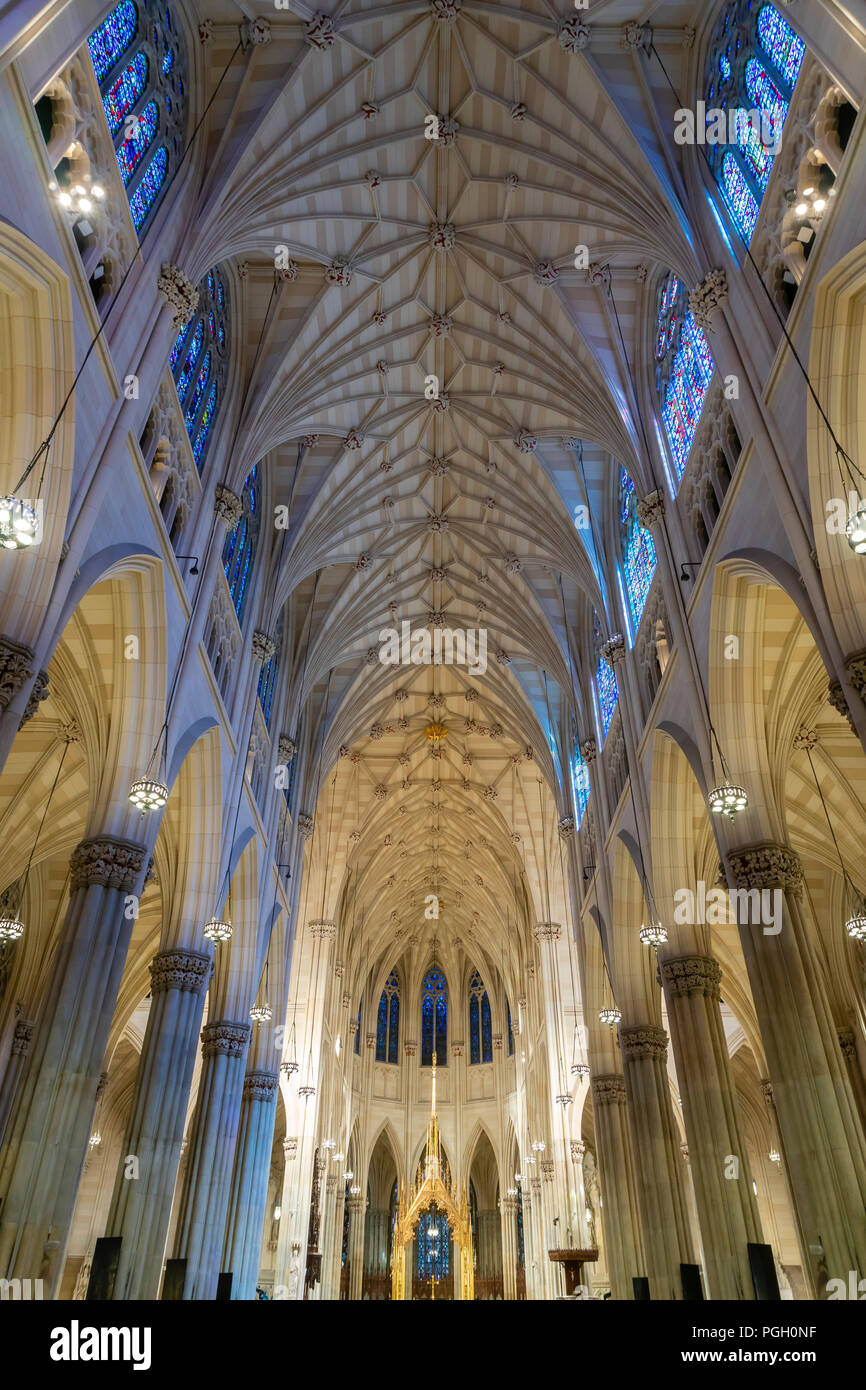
x=480 y=1030
x=755 y=60
x=581 y=785
x=240 y=547
x=434 y=1018
x=149 y=87
x=358 y=1034
x=433 y=1245
x=124 y=92
x=638 y=550
x=110 y=41
x=133 y=150
x=608 y=694
x=510 y=1030
x=521 y=1258
x=684 y=370
x=388 y=1021
x=267 y=681
x=200 y=380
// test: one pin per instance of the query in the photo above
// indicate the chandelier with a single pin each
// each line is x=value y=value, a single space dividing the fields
x=565 y=1099
x=80 y=196
x=856 y=530
x=653 y=935
x=579 y=1069
x=727 y=800
x=148 y=795
x=217 y=931
x=11 y=929
x=95 y=1139
x=855 y=926
x=19 y=524
x=610 y=1016
x=306 y=1091
x=261 y=1013
x=288 y=1068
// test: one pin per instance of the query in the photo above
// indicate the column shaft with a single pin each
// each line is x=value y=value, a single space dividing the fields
x=249 y=1190
x=620 y=1209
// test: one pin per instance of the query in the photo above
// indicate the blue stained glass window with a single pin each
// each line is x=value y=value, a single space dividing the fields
x=358 y=1034
x=388 y=1021
x=200 y=387
x=510 y=1029
x=207 y=327
x=113 y=37
x=639 y=555
x=783 y=47
x=434 y=1251
x=480 y=1030
x=753 y=150
x=581 y=785
x=764 y=93
x=685 y=371
x=168 y=62
x=434 y=1018
x=240 y=546
x=725 y=66
x=133 y=150
x=211 y=288
x=608 y=694
x=207 y=418
x=148 y=188
x=124 y=92
x=739 y=196
x=267 y=681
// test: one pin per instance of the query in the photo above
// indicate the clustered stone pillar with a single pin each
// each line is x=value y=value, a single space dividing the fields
x=141 y=1203
x=249 y=1191
x=508 y=1214
x=620 y=1209
x=823 y=1141
x=48 y=1140
x=22 y=1037
x=357 y=1211
x=664 y=1215
x=724 y=1197
x=204 y=1204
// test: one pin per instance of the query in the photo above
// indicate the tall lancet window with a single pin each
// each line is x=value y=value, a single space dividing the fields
x=684 y=369
x=605 y=680
x=388 y=1021
x=140 y=64
x=754 y=61
x=268 y=676
x=638 y=551
x=199 y=362
x=480 y=1030
x=434 y=1018
x=240 y=547
x=358 y=1033
x=580 y=783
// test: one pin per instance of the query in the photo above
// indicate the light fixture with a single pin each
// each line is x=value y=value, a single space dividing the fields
x=610 y=1016
x=564 y=1099
x=775 y=1156
x=11 y=929
x=329 y=1144
x=306 y=1091
x=278 y=1211
x=801 y=209
x=654 y=935
x=95 y=1139
x=354 y=1190
x=217 y=931
x=518 y=1177
x=539 y=1145
x=148 y=795
x=727 y=800
x=261 y=1013
x=856 y=529
x=78 y=197
x=579 y=1069
x=348 y=1175
x=855 y=926
x=819 y=204
x=289 y=1068
x=338 y=1158
x=19 y=524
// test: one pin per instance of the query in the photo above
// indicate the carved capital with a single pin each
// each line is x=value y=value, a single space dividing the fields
x=589 y=750
x=225 y=1039
x=305 y=825
x=573 y=35
x=264 y=646
x=15 y=669
x=260 y=1085
x=708 y=296
x=691 y=975
x=323 y=928
x=637 y=37
x=609 y=1090
x=227 y=506
x=613 y=651
x=547 y=931
x=184 y=970
x=178 y=292
x=286 y=749
x=848 y=1043
x=38 y=693
x=855 y=666
x=767 y=1091
x=566 y=827
x=650 y=510
x=22 y=1038
x=290 y=1148
x=643 y=1042
x=107 y=862
x=766 y=866
x=410 y=1048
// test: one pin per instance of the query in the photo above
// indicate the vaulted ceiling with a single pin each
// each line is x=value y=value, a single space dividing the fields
x=444 y=265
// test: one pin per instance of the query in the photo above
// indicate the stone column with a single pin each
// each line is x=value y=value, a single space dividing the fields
x=22 y=1037
x=726 y=1205
x=47 y=1143
x=141 y=1204
x=620 y=1210
x=664 y=1216
x=848 y=1045
x=204 y=1203
x=249 y=1190
x=823 y=1141
x=508 y=1217
x=357 y=1209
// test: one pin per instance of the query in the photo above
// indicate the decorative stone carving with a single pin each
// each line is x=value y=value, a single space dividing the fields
x=22 y=1038
x=227 y=506
x=692 y=975
x=445 y=11
x=441 y=404
x=767 y=1091
x=650 y=510
x=442 y=236
x=410 y=1048
x=38 y=693
x=566 y=827
x=179 y=293
x=15 y=669
x=578 y=1149
x=609 y=1090
x=518 y=113
x=323 y=928
x=497 y=1042
x=548 y=1168
x=290 y=1148
x=711 y=294
x=339 y=272
x=598 y=275
x=320 y=31
x=836 y=696
x=547 y=931
x=526 y=443
x=613 y=651
x=441 y=325
x=848 y=1043
x=855 y=667
x=637 y=37
x=573 y=35
x=260 y=1085
x=205 y=31
x=306 y=825
x=183 y=970
x=286 y=748
x=370 y=1039
x=545 y=273
x=457 y=1048
x=263 y=646
x=369 y=109
x=258 y=32
x=108 y=862
x=449 y=129
x=643 y=1042
x=805 y=739
x=766 y=866
x=589 y=750
x=225 y=1039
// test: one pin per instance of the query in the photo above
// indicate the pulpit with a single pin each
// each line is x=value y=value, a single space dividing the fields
x=572 y=1261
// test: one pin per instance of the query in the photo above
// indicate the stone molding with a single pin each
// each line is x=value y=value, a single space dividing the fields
x=692 y=975
x=609 y=1090
x=185 y=970
x=643 y=1042
x=227 y=506
x=225 y=1039
x=15 y=669
x=766 y=866
x=106 y=861
x=260 y=1085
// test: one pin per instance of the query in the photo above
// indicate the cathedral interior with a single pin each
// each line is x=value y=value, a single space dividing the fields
x=433 y=655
